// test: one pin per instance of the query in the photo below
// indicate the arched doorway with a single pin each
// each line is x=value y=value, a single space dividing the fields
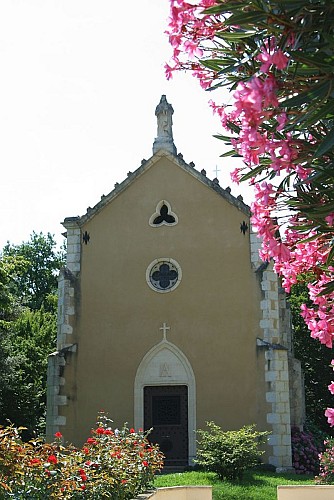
x=165 y=399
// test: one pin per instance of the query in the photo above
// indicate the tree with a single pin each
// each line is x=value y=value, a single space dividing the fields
x=28 y=327
x=315 y=359
x=277 y=58
x=26 y=346
x=33 y=267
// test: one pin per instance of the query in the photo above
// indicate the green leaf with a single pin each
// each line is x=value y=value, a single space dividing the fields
x=316 y=92
x=326 y=144
x=325 y=112
x=252 y=173
x=245 y=18
x=318 y=60
x=216 y=64
x=330 y=256
x=232 y=152
x=329 y=288
x=222 y=137
x=235 y=35
x=216 y=9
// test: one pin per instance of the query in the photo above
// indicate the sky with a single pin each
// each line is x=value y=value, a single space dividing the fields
x=80 y=83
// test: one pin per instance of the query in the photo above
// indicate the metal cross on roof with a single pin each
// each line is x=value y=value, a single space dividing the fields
x=216 y=170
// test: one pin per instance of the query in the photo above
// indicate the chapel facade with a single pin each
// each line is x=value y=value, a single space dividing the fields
x=167 y=317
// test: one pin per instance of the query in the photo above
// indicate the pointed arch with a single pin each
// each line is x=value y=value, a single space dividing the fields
x=165 y=364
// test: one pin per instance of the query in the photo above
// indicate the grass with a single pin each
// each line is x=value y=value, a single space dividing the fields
x=255 y=485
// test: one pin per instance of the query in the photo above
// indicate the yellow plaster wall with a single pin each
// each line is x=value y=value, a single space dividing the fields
x=214 y=313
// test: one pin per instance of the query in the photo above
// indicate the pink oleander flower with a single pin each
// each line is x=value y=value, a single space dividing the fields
x=281 y=119
x=280 y=60
x=271 y=55
x=192 y=49
x=330 y=219
x=207 y=3
x=329 y=413
x=168 y=71
x=236 y=175
x=257 y=116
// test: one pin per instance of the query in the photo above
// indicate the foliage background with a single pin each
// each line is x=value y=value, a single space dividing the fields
x=28 y=328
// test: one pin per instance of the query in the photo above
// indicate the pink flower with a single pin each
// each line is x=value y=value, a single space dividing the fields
x=329 y=413
x=235 y=175
x=169 y=71
x=271 y=55
x=58 y=435
x=280 y=60
x=330 y=219
x=192 y=49
x=282 y=119
x=331 y=387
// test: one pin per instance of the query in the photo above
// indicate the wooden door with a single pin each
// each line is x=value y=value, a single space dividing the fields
x=166 y=411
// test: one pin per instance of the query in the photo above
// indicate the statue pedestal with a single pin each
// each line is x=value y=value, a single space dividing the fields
x=166 y=144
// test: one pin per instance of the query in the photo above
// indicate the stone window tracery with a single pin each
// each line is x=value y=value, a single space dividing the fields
x=163 y=215
x=163 y=275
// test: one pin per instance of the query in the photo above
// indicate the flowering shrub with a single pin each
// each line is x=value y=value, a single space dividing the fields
x=229 y=453
x=276 y=58
x=116 y=464
x=326 y=475
x=305 y=451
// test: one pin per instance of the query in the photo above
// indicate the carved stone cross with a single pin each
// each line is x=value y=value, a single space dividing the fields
x=164 y=329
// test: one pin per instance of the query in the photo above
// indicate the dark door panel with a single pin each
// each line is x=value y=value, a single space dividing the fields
x=166 y=410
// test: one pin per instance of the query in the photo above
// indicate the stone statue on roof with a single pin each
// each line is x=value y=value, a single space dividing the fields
x=164 y=112
x=164 y=139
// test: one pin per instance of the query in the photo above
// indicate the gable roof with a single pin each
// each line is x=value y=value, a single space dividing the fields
x=144 y=167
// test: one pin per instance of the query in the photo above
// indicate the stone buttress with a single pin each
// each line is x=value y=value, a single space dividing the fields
x=282 y=372
x=65 y=346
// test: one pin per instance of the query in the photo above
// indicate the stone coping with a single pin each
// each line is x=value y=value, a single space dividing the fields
x=178 y=493
x=305 y=492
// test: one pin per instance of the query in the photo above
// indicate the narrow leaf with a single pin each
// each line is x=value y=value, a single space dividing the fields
x=326 y=144
x=232 y=152
x=316 y=92
x=235 y=35
x=245 y=18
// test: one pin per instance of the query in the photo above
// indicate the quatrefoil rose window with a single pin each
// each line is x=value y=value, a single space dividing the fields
x=163 y=275
x=163 y=215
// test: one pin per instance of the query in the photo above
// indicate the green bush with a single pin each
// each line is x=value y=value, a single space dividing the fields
x=326 y=474
x=229 y=453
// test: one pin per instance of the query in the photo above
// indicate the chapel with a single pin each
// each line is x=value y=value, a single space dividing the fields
x=167 y=317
